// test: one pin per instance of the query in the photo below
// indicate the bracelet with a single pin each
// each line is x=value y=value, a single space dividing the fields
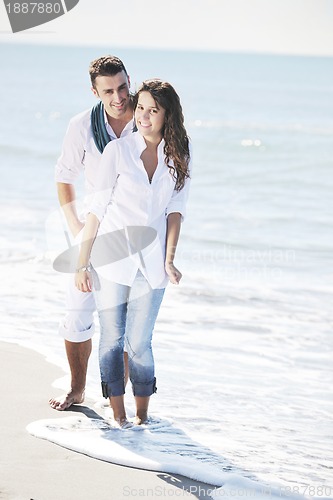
x=87 y=268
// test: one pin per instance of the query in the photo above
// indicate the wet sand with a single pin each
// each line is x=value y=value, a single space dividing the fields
x=35 y=469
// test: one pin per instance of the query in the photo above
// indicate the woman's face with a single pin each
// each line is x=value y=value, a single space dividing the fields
x=149 y=118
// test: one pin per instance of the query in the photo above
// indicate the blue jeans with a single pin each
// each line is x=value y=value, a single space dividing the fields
x=127 y=313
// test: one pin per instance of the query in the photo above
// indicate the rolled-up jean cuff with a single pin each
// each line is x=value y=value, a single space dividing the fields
x=144 y=390
x=72 y=336
x=116 y=388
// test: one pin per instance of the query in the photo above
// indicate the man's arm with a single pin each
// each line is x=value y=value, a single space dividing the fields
x=69 y=167
x=82 y=276
x=67 y=197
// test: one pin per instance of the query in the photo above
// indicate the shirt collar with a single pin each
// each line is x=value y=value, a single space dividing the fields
x=110 y=130
x=141 y=144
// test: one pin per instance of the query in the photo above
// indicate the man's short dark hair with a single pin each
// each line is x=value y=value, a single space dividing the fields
x=105 y=66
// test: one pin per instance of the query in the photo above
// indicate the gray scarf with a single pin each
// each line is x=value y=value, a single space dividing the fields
x=100 y=134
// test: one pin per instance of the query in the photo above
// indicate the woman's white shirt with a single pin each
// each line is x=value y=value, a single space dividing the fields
x=124 y=198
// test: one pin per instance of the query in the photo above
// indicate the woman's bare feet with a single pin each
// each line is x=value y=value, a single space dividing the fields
x=140 y=420
x=119 y=412
x=116 y=414
x=141 y=416
x=123 y=423
x=66 y=400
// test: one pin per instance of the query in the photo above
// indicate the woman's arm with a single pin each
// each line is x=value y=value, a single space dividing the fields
x=104 y=185
x=82 y=277
x=172 y=236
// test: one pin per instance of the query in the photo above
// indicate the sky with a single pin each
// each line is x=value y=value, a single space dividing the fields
x=302 y=27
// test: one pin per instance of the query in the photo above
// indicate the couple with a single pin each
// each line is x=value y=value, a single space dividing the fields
x=138 y=182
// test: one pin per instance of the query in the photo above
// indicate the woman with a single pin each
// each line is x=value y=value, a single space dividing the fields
x=137 y=211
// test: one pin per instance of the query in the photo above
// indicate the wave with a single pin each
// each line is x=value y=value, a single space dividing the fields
x=159 y=446
x=32 y=151
x=261 y=126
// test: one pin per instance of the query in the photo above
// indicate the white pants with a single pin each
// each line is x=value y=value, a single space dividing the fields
x=78 y=324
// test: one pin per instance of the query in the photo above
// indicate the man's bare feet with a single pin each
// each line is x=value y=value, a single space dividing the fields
x=66 y=400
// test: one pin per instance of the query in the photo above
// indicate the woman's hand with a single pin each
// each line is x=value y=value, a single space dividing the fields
x=174 y=274
x=83 y=281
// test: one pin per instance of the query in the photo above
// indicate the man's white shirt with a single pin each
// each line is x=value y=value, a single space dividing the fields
x=79 y=153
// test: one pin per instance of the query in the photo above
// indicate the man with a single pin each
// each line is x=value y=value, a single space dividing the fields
x=86 y=136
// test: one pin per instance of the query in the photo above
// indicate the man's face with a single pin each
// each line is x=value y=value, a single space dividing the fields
x=114 y=93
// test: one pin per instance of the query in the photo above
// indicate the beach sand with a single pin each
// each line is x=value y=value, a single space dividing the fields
x=36 y=469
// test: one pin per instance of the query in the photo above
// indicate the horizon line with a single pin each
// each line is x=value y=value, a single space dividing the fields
x=82 y=44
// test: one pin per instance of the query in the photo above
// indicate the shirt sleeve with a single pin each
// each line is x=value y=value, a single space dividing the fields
x=70 y=163
x=179 y=198
x=105 y=181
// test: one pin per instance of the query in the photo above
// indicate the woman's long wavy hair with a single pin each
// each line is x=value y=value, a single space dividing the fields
x=176 y=146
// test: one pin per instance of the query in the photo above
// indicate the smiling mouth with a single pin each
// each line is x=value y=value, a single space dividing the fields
x=119 y=106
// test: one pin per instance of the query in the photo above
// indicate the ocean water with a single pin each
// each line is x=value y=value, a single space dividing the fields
x=243 y=346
